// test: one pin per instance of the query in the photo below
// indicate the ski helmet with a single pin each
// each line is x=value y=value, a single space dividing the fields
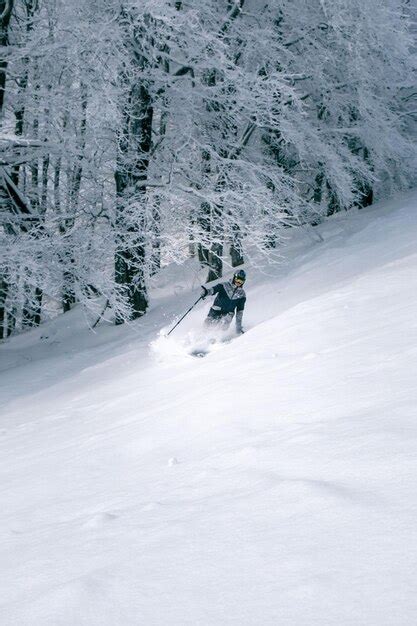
x=239 y=275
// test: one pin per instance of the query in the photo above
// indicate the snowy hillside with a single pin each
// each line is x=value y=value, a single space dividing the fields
x=273 y=482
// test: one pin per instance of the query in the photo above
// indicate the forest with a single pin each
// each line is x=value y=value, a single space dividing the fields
x=135 y=134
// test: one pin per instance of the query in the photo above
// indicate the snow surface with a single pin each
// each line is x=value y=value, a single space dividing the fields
x=273 y=482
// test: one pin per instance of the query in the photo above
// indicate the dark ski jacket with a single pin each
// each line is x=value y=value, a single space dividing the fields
x=229 y=298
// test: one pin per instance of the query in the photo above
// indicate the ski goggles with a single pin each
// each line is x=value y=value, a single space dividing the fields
x=239 y=281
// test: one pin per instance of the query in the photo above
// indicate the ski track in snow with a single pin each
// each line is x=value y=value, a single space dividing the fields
x=272 y=482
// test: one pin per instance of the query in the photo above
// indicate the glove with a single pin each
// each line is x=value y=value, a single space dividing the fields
x=204 y=292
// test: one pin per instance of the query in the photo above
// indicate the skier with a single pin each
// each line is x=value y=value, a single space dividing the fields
x=230 y=297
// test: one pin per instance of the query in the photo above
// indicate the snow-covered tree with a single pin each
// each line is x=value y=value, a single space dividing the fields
x=135 y=133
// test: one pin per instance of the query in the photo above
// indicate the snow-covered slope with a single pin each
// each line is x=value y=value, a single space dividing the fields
x=273 y=482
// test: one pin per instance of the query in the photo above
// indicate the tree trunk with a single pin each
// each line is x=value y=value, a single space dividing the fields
x=32 y=308
x=3 y=315
x=6 y=7
x=31 y=314
x=134 y=146
x=156 y=237
x=74 y=185
x=236 y=253
x=365 y=189
x=215 y=262
x=133 y=154
x=333 y=204
x=209 y=220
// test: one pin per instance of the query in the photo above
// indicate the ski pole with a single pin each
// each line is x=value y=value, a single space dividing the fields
x=185 y=314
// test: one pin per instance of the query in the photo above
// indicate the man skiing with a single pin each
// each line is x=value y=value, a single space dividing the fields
x=230 y=298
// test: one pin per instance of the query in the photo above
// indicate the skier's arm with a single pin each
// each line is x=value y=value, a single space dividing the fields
x=239 y=315
x=211 y=291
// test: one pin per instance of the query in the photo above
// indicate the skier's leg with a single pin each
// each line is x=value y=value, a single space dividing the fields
x=213 y=318
x=226 y=320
